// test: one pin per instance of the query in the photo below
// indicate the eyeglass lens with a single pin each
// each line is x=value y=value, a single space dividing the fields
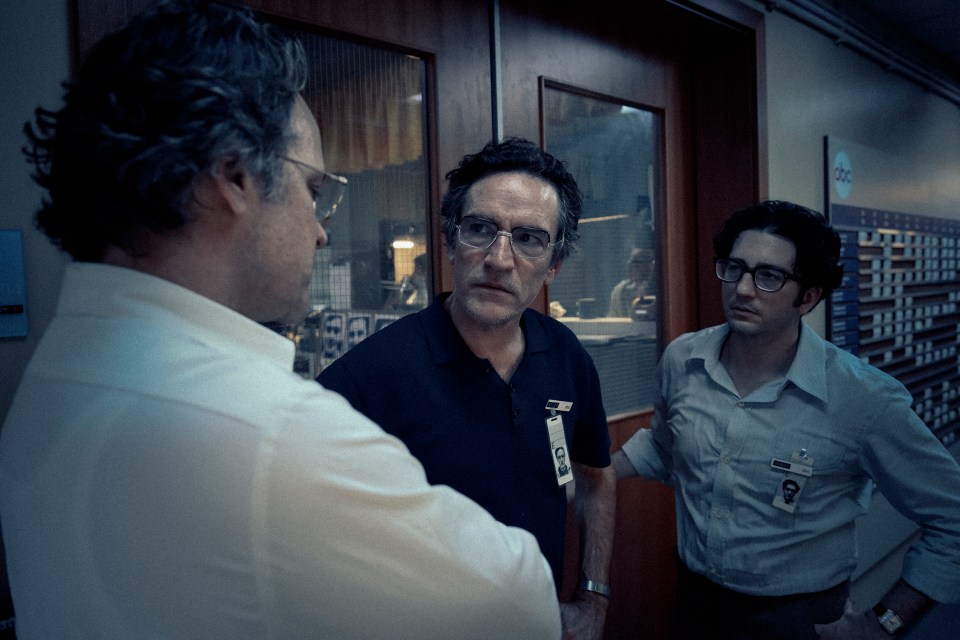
x=328 y=195
x=481 y=234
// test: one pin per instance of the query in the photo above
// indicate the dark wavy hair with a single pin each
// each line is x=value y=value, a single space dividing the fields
x=818 y=245
x=515 y=154
x=155 y=104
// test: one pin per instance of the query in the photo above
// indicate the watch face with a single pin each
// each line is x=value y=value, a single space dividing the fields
x=890 y=622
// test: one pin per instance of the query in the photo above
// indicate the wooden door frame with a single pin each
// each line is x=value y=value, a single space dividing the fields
x=717 y=168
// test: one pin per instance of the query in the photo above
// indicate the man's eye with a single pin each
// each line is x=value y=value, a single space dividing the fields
x=481 y=228
x=525 y=237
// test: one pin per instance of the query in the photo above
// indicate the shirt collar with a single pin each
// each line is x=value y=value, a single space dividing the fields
x=448 y=346
x=808 y=370
x=105 y=290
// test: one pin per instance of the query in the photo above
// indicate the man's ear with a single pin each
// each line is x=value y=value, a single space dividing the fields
x=233 y=184
x=552 y=273
x=810 y=299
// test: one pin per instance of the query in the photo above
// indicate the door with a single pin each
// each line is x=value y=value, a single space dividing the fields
x=652 y=107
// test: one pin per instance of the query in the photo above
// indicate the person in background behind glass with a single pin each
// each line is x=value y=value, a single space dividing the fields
x=628 y=294
x=413 y=289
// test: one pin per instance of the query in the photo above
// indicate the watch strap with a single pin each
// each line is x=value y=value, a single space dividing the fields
x=596 y=587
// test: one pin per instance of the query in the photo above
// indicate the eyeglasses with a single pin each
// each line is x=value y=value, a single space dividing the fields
x=327 y=191
x=527 y=242
x=764 y=278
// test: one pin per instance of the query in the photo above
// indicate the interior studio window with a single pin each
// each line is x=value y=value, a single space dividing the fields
x=608 y=291
x=369 y=103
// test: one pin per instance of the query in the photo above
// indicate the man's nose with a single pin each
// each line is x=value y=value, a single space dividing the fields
x=323 y=239
x=745 y=286
x=501 y=251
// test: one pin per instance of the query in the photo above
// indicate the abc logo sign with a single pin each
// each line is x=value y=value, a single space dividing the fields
x=842 y=175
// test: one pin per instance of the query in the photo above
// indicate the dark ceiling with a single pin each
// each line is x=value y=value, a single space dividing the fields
x=931 y=28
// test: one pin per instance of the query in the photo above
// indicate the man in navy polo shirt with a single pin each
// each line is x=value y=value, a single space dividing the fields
x=484 y=390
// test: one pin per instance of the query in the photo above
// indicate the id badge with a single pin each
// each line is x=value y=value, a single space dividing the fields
x=558 y=450
x=796 y=471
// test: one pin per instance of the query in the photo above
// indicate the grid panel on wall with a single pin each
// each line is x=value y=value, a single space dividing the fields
x=897 y=307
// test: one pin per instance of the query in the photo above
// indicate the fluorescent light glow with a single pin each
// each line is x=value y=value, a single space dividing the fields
x=619 y=216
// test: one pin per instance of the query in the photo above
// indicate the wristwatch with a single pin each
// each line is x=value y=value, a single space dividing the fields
x=889 y=620
x=596 y=587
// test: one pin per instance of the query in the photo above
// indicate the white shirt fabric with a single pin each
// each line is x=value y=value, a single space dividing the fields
x=165 y=474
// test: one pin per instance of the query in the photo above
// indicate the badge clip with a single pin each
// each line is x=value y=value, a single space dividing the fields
x=559 y=405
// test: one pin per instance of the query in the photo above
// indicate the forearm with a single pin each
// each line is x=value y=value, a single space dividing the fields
x=595 y=503
x=909 y=604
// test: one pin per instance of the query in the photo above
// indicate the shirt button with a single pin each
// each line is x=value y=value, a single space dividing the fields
x=726 y=459
x=740 y=404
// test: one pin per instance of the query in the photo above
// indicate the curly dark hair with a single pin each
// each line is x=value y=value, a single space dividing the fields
x=818 y=244
x=515 y=154
x=155 y=104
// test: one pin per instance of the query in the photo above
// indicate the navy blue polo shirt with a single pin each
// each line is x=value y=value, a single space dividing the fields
x=472 y=431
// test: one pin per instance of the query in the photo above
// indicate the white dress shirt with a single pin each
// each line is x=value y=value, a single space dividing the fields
x=166 y=475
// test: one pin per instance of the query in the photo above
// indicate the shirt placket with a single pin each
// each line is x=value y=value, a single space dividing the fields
x=719 y=530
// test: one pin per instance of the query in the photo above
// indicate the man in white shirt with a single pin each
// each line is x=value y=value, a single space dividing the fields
x=163 y=472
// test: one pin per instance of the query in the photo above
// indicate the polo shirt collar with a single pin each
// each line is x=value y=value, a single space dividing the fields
x=449 y=347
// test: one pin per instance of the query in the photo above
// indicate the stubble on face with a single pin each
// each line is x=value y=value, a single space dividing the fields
x=287 y=235
x=751 y=312
x=494 y=286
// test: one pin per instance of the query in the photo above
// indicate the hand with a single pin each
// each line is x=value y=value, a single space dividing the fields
x=583 y=618
x=852 y=626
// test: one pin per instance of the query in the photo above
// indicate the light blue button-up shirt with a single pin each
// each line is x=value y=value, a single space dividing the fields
x=853 y=421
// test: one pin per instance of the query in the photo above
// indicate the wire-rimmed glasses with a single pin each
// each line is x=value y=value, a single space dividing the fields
x=480 y=233
x=326 y=191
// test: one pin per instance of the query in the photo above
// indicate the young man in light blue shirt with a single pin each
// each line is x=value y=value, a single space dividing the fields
x=744 y=408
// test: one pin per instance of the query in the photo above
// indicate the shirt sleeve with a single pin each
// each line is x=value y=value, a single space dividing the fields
x=649 y=450
x=592 y=435
x=351 y=527
x=921 y=479
x=337 y=377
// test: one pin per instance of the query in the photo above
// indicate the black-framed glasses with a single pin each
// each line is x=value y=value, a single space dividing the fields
x=326 y=190
x=480 y=233
x=764 y=278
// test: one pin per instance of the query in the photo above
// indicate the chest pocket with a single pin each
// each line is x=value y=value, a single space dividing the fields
x=808 y=431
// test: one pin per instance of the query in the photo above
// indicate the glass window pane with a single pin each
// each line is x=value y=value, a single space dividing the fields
x=608 y=291
x=369 y=104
